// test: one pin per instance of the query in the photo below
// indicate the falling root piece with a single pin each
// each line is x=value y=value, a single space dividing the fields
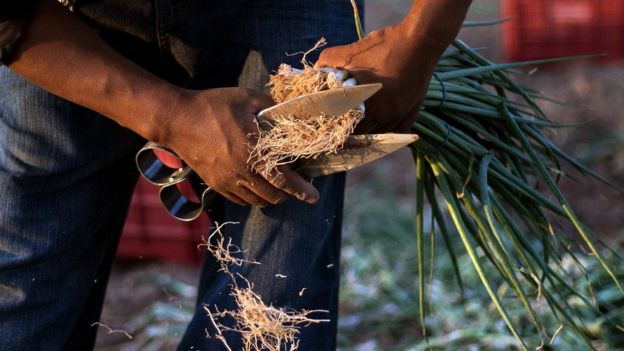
x=282 y=140
x=262 y=327
x=110 y=330
x=224 y=251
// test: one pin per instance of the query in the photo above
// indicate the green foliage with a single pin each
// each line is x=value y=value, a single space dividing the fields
x=379 y=292
x=484 y=159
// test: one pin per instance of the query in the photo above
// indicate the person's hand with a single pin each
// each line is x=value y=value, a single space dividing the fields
x=400 y=61
x=212 y=131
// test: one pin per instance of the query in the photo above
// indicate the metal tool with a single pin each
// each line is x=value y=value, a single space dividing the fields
x=151 y=162
x=333 y=102
x=357 y=151
x=185 y=196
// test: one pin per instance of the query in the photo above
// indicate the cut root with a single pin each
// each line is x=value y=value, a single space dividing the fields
x=290 y=138
x=288 y=83
x=262 y=327
x=282 y=140
x=285 y=139
x=224 y=251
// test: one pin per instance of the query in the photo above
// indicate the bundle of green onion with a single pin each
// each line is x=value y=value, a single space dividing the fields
x=479 y=160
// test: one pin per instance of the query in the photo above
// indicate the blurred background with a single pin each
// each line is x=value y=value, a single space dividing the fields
x=152 y=288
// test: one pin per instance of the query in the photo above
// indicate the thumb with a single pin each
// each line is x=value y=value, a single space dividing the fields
x=332 y=57
x=259 y=101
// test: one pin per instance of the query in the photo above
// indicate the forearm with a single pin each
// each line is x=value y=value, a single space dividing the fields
x=426 y=31
x=64 y=56
x=435 y=23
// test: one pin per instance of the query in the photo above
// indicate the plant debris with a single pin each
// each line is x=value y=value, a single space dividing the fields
x=262 y=327
x=224 y=252
x=111 y=330
x=287 y=138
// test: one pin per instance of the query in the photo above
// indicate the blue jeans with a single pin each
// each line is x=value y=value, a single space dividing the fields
x=67 y=173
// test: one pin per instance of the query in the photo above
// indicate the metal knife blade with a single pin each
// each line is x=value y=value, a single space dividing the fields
x=333 y=102
x=357 y=151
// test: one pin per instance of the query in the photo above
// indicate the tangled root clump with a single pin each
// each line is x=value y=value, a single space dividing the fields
x=288 y=83
x=290 y=138
x=262 y=327
x=287 y=138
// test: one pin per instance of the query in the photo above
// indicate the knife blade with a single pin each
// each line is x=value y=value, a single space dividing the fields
x=333 y=102
x=358 y=150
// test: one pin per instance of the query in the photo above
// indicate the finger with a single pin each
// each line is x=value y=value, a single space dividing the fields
x=364 y=127
x=292 y=183
x=244 y=197
x=260 y=202
x=407 y=123
x=258 y=101
x=234 y=198
x=330 y=57
x=373 y=116
x=261 y=101
x=286 y=181
x=262 y=189
x=243 y=191
x=370 y=125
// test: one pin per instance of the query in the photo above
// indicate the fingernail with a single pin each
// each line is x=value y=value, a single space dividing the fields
x=311 y=199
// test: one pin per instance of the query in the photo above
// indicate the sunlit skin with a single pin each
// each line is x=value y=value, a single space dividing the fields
x=402 y=57
x=209 y=129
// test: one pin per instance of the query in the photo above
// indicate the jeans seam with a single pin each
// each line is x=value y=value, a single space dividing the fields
x=160 y=18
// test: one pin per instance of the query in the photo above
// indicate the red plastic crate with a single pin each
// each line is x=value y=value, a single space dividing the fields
x=151 y=233
x=552 y=28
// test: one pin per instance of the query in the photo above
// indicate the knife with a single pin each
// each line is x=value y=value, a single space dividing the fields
x=171 y=173
x=335 y=102
x=357 y=150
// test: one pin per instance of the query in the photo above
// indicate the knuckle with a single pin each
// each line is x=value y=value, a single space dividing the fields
x=324 y=55
x=217 y=186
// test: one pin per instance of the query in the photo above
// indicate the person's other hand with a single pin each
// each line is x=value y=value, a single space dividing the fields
x=212 y=131
x=400 y=61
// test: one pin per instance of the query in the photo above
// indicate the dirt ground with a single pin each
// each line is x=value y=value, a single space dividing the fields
x=593 y=93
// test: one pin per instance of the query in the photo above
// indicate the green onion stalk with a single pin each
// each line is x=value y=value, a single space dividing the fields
x=481 y=155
